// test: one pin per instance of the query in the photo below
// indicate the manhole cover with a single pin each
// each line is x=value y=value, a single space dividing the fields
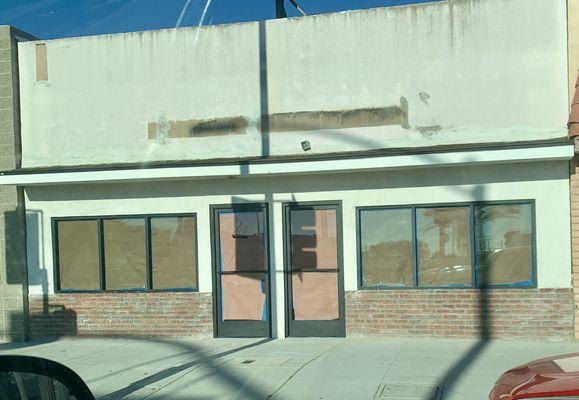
x=410 y=391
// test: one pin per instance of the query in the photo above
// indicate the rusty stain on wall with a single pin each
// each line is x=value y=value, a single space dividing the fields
x=282 y=122
x=428 y=131
x=354 y=118
x=198 y=128
x=41 y=62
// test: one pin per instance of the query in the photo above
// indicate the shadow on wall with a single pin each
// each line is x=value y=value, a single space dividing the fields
x=45 y=319
x=14 y=297
x=484 y=316
x=477 y=192
x=413 y=178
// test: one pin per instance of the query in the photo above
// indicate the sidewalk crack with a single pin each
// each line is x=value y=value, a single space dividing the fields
x=389 y=368
x=301 y=368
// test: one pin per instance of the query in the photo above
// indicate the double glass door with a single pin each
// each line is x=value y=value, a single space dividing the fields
x=314 y=289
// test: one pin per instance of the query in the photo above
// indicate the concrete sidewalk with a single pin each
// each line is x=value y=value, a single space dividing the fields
x=352 y=368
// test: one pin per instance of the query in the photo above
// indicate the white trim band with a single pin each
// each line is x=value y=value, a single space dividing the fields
x=553 y=153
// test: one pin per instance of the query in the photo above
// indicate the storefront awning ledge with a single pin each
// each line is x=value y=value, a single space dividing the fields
x=359 y=164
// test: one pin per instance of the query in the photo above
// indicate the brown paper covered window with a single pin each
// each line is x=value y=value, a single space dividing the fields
x=314 y=254
x=315 y=296
x=242 y=241
x=125 y=253
x=173 y=252
x=78 y=255
x=138 y=253
x=243 y=257
x=244 y=296
x=314 y=239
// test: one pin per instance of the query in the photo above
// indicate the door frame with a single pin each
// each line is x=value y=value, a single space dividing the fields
x=216 y=294
x=332 y=328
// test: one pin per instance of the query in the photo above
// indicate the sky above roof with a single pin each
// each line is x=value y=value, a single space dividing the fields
x=49 y=19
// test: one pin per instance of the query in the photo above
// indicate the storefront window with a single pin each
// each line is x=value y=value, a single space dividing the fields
x=173 y=252
x=125 y=253
x=78 y=254
x=386 y=247
x=139 y=253
x=443 y=238
x=504 y=238
x=436 y=244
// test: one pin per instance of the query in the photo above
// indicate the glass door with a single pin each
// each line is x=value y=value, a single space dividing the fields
x=314 y=275
x=241 y=271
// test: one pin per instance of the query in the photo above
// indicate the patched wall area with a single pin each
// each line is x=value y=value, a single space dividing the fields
x=454 y=72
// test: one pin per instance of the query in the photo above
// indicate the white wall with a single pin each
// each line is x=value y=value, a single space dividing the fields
x=546 y=182
x=489 y=71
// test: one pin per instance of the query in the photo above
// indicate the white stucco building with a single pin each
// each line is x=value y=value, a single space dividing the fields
x=393 y=171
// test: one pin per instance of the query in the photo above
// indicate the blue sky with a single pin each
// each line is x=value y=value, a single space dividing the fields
x=50 y=19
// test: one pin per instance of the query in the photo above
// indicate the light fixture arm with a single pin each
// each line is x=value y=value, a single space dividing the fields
x=297 y=6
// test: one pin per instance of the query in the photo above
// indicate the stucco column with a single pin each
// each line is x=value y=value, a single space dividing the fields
x=13 y=274
x=573 y=43
x=573 y=49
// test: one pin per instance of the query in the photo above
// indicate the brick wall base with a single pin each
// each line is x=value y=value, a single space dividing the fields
x=121 y=314
x=545 y=314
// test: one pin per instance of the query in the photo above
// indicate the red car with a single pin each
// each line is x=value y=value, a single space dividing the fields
x=549 y=378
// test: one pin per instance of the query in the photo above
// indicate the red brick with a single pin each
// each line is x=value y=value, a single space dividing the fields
x=508 y=313
x=122 y=314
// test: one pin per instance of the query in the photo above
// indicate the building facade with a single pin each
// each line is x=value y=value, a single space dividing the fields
x=397 y=171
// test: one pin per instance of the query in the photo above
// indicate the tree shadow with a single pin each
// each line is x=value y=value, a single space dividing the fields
x=485 y=332
x=14 y=282
x=54 y=319
x=229 y=378
x=448 y=382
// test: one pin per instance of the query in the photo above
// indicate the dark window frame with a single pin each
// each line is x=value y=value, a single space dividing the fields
x=236 y=328
x=474 y=284
x=337 y=327
x=102 y=267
